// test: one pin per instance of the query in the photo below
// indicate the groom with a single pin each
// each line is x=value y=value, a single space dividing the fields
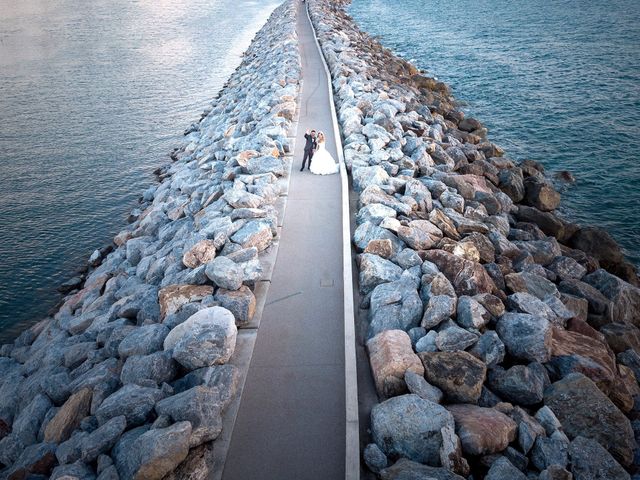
x=309 y=147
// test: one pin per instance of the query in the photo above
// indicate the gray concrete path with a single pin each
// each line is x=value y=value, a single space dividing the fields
x=291 y=421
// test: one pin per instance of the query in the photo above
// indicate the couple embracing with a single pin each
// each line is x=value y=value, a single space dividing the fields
x=320 y=160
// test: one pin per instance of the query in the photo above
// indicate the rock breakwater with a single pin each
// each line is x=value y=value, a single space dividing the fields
x=130 y=377
x=502 y=338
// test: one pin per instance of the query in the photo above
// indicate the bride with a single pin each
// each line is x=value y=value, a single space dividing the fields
x=322 y=162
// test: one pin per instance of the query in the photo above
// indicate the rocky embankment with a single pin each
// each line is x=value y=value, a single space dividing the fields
x=130 y=378
x=503 y=340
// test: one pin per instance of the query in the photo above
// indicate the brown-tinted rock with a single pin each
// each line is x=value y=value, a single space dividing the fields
x=171 y=298
x=584 y=410
x=466 y=276
x=381 y=247
x=390 y=357
x=481 y=430
x=69 y=416
x=596 y=242
x=621 y=337
x=459 y=375
x=201 y=253
x=574 y=352
x=540 y=194
x=548 y=222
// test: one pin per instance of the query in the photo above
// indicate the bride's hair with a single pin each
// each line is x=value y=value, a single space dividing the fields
x=320 y=137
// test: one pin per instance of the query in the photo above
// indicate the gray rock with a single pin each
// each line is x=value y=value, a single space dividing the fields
x=375 y=458
x=471 y=314
x=566 y=268
x=549 y=451
x=584 y=410
x=202 y=406
x=452 y=338
x=419 y=386
x=143 y=340
x=207 y=338
x=624 y=297
x=489 y=348
x=542 y=251
x=548 y=420
x=56 y=386
x=241 y=303
x=10 y=449
x=225 y=273
x=519 y=384
x=416 y=334
x=375 y=270
x=536 y=285
x=132 y=401
x=124 y=453
x=255 y=233
x=75 y=471
x=439 y=309
x=527 y=303
x=159 y=367
x=27 y=424
x=598 y=303
x=75 y=354
x=224 y=378
x=160 y=451
x=410 y=426
x=427 y=343
x=70 y=450
x=405 y=469
x=525 y=336
x=503 y=469
x=590 y=461
x=374 y=213
x=394 y=305
x=102 y=439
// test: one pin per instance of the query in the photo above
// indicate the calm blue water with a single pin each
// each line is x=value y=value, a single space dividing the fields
x=553 y=80
x=94 y=94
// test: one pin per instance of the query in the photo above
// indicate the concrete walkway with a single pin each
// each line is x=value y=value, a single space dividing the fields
x=291 y=421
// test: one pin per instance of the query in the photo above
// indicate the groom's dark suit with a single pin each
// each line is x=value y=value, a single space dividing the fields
x=309 y=146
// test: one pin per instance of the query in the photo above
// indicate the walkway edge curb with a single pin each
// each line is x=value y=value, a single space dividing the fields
x=352 y=450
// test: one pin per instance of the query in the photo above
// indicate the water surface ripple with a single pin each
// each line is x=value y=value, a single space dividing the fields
x=93 y=96
x=553 y=80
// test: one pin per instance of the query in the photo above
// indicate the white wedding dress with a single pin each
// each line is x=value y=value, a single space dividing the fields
x=322 y=162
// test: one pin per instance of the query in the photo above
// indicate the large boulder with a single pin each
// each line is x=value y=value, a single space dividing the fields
x=143 y=341
x=159 y=451
x=525 y=336
x=27 y=423
x=405 y=469
x=394 y=305
x=411 y=427
x=466 y=276
x=241 y=303
x=624 y=297
x=459 y=375
x=519 y=384
x=206 y=338
x=482 y=431
x=102 y=439
x=390 y=357
x=590 y=461
x=420 y=234
x=225 y=273
x=201 y=406
x=255 y=233
x=585 y=411
x=597 y=243
x=159 y=367
x=375 y=270
x=132 y=401
x=575 y=352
